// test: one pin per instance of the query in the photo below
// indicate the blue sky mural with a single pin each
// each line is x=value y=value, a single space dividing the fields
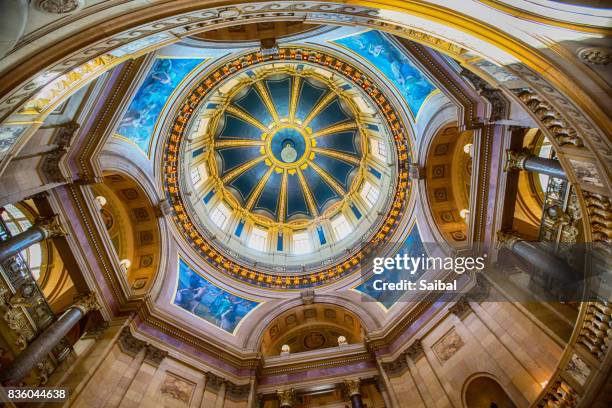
x=200 y=297
x=385 y=56
x=138 y=121
x=413 y=246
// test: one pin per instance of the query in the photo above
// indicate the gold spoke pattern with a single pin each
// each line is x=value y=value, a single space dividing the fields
x=295 y=93
x=282 y=200
x=241 y=169
x=329 y=179
x=246 y=117
x=263 y=91
x=238 y=143
x=319 y=107
x=335 y=129
x=309 y=198
x=258 y=189
x=338 y=155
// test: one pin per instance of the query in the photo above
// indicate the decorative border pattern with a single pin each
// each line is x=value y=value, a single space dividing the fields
x=219 y=260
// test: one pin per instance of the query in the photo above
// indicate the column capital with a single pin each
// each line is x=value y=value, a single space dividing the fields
x=515 y=159
x=415 y=350
x=461 y=308
x=87 y=302
x=286 y=398
x=51 y=226
x=507 y=239
x=130 y=344
x=353 y=386
x=154 y=356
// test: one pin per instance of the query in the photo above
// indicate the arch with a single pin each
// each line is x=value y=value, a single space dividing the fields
x=482 y=390
x=132 y=225
x=310 y=327
x=448 y=182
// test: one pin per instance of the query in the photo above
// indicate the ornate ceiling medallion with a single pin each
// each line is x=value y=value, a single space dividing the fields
x=286 y=149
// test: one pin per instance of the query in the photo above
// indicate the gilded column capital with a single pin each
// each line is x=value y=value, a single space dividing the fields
x=515 y=159
x=353 y=386
x=130 y=344
x=507 y=239
x=286 y=398
x=51 y=227
x=86 y=302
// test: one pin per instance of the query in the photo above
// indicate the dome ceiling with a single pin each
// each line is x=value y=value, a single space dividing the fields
x=275 y=167
x=287 y=148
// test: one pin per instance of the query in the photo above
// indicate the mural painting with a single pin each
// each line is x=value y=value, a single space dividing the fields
x=384 y=55
x=138 y=121
x=213 y=304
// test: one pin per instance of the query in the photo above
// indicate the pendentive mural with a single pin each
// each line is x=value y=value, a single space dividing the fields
x=138 y=121
x=213 y=304
x=376 y=48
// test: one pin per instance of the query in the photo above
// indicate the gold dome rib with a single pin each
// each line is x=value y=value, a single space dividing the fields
x=328 y=179
x=335 y=129
x=241 y=169
x=265 y=95
x=338 y=155
x=258 y=189
x=238 y=143
x=319 y=107
x=282 y=200
x=246 y=117
x=295 y=93
x=309 y=198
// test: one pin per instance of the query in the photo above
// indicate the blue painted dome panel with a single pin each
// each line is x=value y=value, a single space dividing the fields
x=280 y=93
x=236 y=128
x=322 y=192
x=336 y=168
x=330 y=115
x=253 y=103
x=310 y=95
x=346 y=142
x=232 y=157
x=268 y=199
x=246 y=182
x=296 y=202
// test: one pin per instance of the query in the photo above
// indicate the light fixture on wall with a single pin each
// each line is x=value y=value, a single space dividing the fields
x=101 y=200
x=469 y=149
x=125 y=264
x=464 y=213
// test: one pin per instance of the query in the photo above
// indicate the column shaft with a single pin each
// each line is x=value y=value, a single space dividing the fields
x=541 y=165
x=19 y=242
x=543 y=260
x=41 y=346
x=356 y=401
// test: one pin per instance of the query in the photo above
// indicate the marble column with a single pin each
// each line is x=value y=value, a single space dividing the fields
x=47 y=340
x=543 y=260
x=522 y=160
x=353 y=388
x=286 y=398
x=47 y=228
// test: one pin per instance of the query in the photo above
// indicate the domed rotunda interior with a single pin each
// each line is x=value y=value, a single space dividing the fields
x=296 y=204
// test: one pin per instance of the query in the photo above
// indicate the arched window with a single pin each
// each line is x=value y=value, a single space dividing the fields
x=16 y=222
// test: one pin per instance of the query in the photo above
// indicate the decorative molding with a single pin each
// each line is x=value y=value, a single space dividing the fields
x=461 y=308
x=59 y=6
x=237 y=392
x=500 y=106
x=595 y=55
x=415 y=350
x=154 y=356
x=130 y=344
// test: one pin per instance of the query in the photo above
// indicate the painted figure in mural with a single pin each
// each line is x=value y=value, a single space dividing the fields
x=138 y=122
x=386 y=57
x=198 y=296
